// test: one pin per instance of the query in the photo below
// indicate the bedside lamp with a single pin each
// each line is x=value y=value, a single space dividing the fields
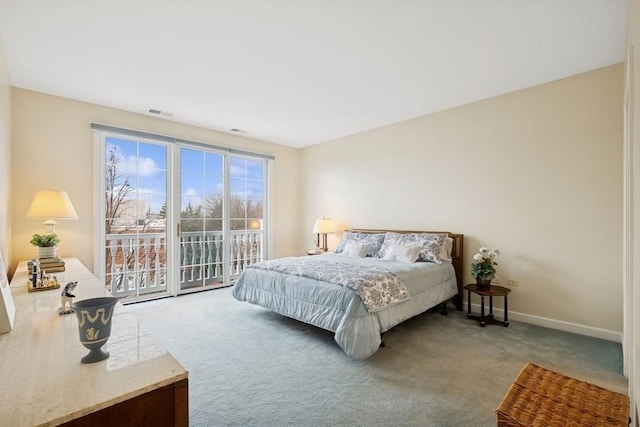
x=322 y=227
x=51 y=205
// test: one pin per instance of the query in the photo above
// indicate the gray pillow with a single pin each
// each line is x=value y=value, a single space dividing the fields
x=373 y=239
x=431 y=244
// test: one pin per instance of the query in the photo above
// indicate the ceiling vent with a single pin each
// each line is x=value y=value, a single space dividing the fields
x=159 y=112
x=236 y=130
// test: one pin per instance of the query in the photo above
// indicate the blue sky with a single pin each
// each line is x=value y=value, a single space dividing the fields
x=201 y=173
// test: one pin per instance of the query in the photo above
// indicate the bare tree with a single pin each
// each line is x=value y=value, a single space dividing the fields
x=240 y=211
x=118 y=191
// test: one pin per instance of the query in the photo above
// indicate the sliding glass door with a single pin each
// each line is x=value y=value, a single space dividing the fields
x=177 y=217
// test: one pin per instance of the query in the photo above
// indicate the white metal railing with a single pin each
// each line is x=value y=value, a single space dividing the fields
x=136 y=264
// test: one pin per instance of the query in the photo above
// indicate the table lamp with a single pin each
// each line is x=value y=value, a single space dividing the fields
x=322 y=227
x=51 y=205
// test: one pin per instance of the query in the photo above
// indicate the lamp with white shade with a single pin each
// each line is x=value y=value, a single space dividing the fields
x=50 y=205
x=323 y=226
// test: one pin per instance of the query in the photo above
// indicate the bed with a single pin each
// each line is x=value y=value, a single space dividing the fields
x=360 y=296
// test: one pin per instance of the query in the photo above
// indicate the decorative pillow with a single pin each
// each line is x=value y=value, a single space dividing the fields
x=352 y=248
x=431 y=244
x=447 y=248
x=373 y=239
x=389 y=240
x=403 y=253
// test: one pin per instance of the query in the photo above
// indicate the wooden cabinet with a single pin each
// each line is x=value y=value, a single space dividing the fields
x=163 y=407
x=44 y=383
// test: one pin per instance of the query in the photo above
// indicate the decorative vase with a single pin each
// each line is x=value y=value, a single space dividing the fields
x=47 y=251
x=94 y=324
x=483 y=283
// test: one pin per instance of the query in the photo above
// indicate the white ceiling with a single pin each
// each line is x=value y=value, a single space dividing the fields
x=299 y=72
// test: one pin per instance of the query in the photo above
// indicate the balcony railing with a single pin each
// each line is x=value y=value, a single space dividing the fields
x=136 y=264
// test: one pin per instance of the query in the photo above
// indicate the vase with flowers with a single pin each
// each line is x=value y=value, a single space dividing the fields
x=483 y=266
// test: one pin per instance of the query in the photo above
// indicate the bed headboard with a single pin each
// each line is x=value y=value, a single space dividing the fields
x=456 y=254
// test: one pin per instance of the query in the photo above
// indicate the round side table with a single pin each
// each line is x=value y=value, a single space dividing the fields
x=488 y=291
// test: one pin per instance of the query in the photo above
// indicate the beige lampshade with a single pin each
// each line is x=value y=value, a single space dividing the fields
x=51 y=205
x=323 y=225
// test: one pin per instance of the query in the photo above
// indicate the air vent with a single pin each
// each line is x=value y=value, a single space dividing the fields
x=236 y=130
x=159 y=112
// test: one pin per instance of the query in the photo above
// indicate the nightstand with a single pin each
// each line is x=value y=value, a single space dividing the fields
x=489 y=291
x=321 y=252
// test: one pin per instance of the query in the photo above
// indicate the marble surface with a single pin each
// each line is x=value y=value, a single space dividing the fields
x=42 y=381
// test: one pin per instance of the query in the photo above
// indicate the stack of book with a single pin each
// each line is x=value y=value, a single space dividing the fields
x=48 y=265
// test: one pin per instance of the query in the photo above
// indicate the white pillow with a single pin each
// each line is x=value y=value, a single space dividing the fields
x=445 y=250
x=403 y=253
x=356 y=249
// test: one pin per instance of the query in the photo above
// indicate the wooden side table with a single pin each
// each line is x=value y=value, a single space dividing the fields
x=314 y=252
x=490 y=291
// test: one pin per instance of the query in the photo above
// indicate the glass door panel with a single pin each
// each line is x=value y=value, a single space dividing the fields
x=135 y=218
x=201 y=219
x=246 y=213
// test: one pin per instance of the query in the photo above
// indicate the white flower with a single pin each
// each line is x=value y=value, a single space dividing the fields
x=483 y=263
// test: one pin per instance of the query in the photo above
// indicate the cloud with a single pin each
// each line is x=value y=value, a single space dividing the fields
x=190 y=192
x=142 y=166
x=237 y=171
x=190 y=196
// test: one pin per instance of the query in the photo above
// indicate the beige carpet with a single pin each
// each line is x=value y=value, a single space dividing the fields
x=250 y=367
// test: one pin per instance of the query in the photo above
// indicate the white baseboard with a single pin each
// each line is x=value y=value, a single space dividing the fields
x=560 y=325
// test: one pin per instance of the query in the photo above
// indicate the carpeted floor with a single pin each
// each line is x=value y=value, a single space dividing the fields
x=251 y=367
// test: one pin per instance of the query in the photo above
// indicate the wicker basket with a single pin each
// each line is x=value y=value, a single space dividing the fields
x=541 y=397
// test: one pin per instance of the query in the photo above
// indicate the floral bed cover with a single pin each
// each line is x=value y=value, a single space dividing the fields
x=339 y=308
x=378 y=287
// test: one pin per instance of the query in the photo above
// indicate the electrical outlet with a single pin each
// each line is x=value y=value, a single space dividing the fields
x=513 y=282
x=496 y=280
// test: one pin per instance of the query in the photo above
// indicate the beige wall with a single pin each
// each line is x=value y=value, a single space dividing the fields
x=536 y=173
x=633 y=100
x=53 y=149
x=5 y=157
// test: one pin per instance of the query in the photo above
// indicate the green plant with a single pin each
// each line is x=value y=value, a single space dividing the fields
x=44 y=240
x=483 y=265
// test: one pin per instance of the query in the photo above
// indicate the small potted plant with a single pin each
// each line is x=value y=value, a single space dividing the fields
x=47 y=244
x=482 y=267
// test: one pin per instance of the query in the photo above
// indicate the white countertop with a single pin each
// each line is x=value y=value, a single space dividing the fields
x=42 y=381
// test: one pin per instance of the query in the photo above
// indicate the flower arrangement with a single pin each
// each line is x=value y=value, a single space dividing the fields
x=483 y=263
x=46 y=240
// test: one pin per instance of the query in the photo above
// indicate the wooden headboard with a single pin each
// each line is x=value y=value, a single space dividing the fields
x=456 y=254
